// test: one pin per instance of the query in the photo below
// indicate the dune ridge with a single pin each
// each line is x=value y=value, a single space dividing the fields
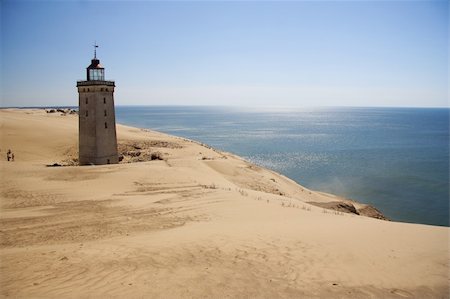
x=189 y=221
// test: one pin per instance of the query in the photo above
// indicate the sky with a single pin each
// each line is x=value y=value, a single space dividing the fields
x=249 y=53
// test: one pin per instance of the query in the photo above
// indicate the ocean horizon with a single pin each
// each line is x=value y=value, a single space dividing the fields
x=395 y=159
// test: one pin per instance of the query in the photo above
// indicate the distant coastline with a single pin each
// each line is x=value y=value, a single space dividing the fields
x=234 y=107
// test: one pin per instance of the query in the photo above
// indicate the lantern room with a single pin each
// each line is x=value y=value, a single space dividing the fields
x=95 y=72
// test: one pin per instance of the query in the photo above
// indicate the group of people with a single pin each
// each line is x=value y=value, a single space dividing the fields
x=9 y=155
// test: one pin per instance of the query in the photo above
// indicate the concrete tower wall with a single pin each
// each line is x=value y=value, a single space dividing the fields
x=97 y=123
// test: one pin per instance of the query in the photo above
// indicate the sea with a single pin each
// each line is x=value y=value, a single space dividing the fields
x=396 y=159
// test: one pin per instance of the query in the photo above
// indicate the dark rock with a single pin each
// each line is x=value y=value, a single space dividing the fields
x=133 y=153
x=54 y=165
x=370 y=211
x=337 y=206
x=347 y=207
x=156 y=156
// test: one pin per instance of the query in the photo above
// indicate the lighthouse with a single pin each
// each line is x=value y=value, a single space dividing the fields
x=97 y=140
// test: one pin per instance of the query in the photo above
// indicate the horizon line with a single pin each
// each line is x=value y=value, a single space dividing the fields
x=232 y=106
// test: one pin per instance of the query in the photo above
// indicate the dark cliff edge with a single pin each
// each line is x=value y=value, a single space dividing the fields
x=348 y=207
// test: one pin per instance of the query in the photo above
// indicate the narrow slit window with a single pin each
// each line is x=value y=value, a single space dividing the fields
x=104 y=100
x=105 y=112
x=106 y=126
x=86 y=100
x=88 y=89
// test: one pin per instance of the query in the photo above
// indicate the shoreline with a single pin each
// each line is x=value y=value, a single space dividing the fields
x=198 y=223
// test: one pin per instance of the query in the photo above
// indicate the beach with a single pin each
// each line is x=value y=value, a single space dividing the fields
x=179 y=219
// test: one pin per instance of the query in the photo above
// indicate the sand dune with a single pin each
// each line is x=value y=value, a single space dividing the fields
x=197 y=224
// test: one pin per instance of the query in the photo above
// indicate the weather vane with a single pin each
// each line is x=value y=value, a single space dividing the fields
x=95 y=49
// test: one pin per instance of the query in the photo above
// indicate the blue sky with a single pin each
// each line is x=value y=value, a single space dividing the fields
x=296 y=53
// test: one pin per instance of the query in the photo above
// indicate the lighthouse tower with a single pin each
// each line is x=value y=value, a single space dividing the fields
x=97 y=121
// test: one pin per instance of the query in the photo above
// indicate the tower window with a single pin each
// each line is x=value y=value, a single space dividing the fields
x=86 y=113
x=107 y=89
x=105 y=112
x=104 y=100
x=86 y=100
x=106 y=126
x=88 y=89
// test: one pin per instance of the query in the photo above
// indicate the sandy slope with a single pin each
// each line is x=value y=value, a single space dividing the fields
x=199 y=223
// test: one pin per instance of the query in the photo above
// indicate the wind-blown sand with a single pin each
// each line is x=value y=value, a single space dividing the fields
x=198 y=224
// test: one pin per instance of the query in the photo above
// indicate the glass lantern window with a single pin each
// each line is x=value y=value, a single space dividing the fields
x=97 y=74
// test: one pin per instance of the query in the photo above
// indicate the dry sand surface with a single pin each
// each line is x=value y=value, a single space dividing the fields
x=197 y=224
